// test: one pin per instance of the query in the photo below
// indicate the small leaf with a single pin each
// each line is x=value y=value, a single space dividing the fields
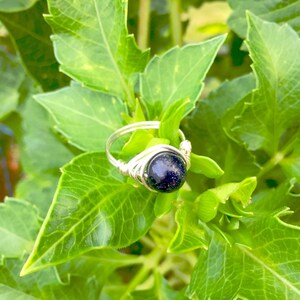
x=178 y=74
x=229 y=209
x=97 y=51
x=208 y=202
x=207 y=206
x=137 y=143
x=93 y=208
x=206 y=166
x=170 y=121
x=138 y=115
x=85 y=117
x=11 y=77
x=244 y=191
x=189 y=234
x=38 y=190
x=164 y=203
x=36 y=151
x=19 y=225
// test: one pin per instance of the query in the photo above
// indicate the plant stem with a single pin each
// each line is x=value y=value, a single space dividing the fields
x=150 y=263
x=278 y=157
x=143 y=25
x=270 y=164
x=175 y=10
x=147 y=242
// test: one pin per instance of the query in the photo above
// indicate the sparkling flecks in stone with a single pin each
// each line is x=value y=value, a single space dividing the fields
x=166 y=172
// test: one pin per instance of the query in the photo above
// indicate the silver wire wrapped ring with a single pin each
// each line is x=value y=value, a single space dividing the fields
x=160 y=168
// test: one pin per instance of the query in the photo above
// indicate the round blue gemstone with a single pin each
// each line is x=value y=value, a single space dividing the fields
x=166 y=172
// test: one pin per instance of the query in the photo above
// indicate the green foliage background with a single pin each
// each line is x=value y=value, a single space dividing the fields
x=71 y=74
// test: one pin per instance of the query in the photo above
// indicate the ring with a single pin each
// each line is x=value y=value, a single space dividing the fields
x=160 y=168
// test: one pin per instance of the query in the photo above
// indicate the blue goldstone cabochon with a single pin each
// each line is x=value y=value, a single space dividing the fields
x=166 y=172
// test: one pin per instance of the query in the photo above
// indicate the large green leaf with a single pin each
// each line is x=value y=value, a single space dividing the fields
x=47 y=284
x=270 y=10
x=81 y=278
x=19 y=225
x=30 y=34
x=8 y=293
x=86 y=118
x=275 y=104
x=176 y=75
x=11 y=77
x=92 y=45
x=92 y=208
x=269 y=270
x=16 y=5
x=204 y=129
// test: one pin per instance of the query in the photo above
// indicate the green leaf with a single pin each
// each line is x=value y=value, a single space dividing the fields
x=244 y=191
x=269 y=10
x=35 y=284
x=170 y=121
x=157 y=141
x=85 y=117
x=93 y=208
x=40 y=154
x=160 y=291
x=208 y=202
x=11 y=77
x=96 y=50
x=81 y=278
x=189 y=234
x=178 y=74
x=267 y=201
x=98 y=264
x=137 y=142
x=274 y=106
x=8 y=293
x=164 y=203
x=19 y=225
x=47 y=284
x=38 y=190
x=30 y=34
x=269 y=270
x=205 y=130
x=16 y=5
x=291 y=163
x=205 y=165
x=137 y=115
x=207 y=206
